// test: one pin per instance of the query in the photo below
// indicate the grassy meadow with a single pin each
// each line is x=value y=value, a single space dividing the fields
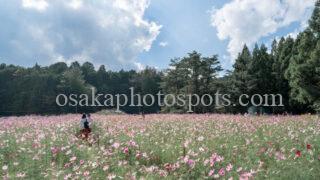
x=161 y=146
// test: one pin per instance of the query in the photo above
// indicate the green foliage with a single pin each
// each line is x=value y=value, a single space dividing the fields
x=147 y=82
x=193 y=74
x=240 y=77
x=302 y=72
x=291 y=69
x=314 y=22
x=34 y=90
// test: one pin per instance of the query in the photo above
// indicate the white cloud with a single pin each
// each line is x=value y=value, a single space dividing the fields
x=139 y=66
x=163 y=44
x=110 y=32
x=246 y=21
x=75 y=4
x=39 y=5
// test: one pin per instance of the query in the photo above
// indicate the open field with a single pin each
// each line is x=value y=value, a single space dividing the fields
x=170 y=146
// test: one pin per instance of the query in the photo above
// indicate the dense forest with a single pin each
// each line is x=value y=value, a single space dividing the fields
x=290 y=68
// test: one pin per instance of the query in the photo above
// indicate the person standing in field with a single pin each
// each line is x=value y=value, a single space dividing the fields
x=89 y=119
x=85 y=125
x=84 y=122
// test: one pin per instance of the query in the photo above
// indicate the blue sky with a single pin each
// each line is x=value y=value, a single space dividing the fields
x=186 y=27
x=133 y=34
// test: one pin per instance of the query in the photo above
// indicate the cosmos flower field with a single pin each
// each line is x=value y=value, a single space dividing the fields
x=161 y=146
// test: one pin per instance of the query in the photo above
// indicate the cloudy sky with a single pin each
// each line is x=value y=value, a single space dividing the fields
x=132 y=34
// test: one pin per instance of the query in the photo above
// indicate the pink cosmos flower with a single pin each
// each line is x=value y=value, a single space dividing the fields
x=106 y=167
x=73 y=158
x=245 y=176
x=132 y=143
x=222 y=172
x=86 y=173
x=298 y=153
x=280 y=156
x=125 y=150
x=191 y=163
x=67 y=165
x=215 y=158
x=138 y=155
x=163 y=173
x=168 y=167
x=55 y=150
x=309 y=146
x=229 y=167
x=211 y=172
x=185 y=159
x=116 y=145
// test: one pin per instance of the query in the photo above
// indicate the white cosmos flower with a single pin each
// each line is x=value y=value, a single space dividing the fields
x=5 y=167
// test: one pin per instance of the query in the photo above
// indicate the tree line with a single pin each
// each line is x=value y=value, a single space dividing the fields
x=290 y=68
